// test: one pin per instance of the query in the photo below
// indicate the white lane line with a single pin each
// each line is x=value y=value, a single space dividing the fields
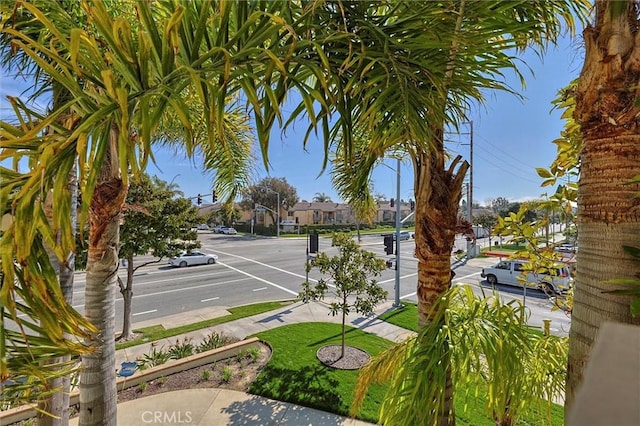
x=259 y=289
x=406 y=296
x=145 y=312
x=258 y=278
x=176 y=290
x=393 y=279
x=178 y=278
x=259 y=263
x=209 y=300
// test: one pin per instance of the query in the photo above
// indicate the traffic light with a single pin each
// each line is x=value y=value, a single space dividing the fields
x=199 y=199
x=412 y=204
x=392 y=203
x=313 y=243
x=215 y=197
x=388 y=244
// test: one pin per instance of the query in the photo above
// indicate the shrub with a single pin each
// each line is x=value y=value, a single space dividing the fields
x=182 y=349
x=156 y=357
x=226 y=374
x=205 y=375
x=253 y=353
x=213 y=341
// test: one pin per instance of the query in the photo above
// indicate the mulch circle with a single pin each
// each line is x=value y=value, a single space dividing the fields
x=353 y=359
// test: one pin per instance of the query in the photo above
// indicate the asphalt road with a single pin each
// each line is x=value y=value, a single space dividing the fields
x=253 y=269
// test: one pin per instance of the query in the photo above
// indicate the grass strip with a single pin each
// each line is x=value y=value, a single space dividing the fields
x=157 y=332
x=406 y=317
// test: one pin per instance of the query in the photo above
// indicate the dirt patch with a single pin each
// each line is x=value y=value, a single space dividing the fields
x=353 y=358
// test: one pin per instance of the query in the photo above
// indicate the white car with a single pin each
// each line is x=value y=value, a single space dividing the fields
x=203 y=227
x=229 y=231
x=508 y=271
x=218 y=229
x=193 y=258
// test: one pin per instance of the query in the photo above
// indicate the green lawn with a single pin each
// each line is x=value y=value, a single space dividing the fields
x=407 y=317
x=295 y=375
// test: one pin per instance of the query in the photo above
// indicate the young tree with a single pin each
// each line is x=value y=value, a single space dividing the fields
x=156 y=222
x=350 y=271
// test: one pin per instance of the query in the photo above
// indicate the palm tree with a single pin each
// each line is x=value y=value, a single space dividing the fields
x=121 y=90
x=608 y=208
x=321 y=197
x=400 y=82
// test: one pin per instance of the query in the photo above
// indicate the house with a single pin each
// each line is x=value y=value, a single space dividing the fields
x=312 y=213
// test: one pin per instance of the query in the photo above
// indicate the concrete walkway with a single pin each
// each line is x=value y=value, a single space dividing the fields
x=226 y=407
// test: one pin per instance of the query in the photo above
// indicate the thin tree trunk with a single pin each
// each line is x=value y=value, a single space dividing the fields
x=127 y=296
x=98 y=393
x=344 y=319
x=608 y=213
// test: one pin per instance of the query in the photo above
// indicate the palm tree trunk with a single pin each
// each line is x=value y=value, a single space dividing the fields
x=438 y=192
x=55 y=409
x=608 y=215
x=98 y=393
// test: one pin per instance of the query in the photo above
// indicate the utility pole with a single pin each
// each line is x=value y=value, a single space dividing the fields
x=396 y=303
x=470 y=244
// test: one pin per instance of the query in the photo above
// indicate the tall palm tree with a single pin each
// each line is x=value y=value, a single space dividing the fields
x=406 y=72
x=608 y=208
x=122 y=88
x=55 y=403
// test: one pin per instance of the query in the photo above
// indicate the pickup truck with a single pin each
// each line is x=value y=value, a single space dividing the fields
x=508 y=271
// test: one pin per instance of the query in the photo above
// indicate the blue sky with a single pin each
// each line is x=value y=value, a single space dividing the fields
x=511 y=138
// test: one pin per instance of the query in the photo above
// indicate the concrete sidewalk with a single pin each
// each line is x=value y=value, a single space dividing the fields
x=226 y=407
x=294 y=313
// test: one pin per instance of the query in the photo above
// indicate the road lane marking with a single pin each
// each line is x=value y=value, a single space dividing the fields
x=209 y=300
x=258 y=278
x=393 y=279
x=162 y=281
x=260 y=263
x=145 y=312
x=259 y=289
x=175 y=290
x=406 y=296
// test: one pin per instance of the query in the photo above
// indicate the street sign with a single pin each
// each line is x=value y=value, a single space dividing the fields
x=127 y=369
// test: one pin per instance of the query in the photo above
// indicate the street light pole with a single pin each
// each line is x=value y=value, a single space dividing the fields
x=278 y=216
x=396 y=303
x=277 y=208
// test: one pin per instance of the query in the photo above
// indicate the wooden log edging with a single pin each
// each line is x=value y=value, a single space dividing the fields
x=24 y=412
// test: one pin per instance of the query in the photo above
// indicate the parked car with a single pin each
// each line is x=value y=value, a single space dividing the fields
x=193 y=258
x=508 y=271
x=229 y=231
x=566 y=248
x=404 y=235
x=203 y=227
x=218 y=229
